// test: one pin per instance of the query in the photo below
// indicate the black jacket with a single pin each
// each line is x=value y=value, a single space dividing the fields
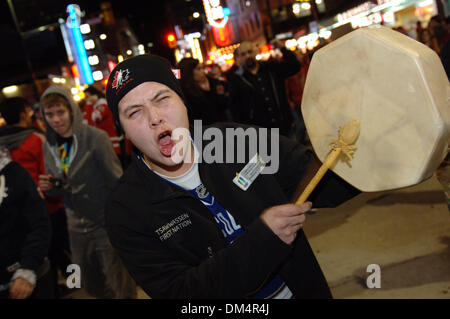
x=261 y=99
x=173 y=247
x=25 y=229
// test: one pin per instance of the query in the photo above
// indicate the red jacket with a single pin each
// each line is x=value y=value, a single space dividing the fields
x=100 y=116
x=295 y=85
x=29 y=155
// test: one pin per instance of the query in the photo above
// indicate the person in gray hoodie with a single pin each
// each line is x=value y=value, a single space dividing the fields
x=81 y=165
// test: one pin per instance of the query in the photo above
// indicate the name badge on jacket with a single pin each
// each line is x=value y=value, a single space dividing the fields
x=249 y=173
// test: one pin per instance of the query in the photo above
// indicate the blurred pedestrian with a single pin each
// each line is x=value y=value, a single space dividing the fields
x=25 y=144
x=207 y=97
x=294 y=93
x=36 y=119
x=216 y=72
x=81 y=165
x=24 y=235
x=97 y=114
x=438 y=33
x=426 y=38
x=257 y=89
x=235 y=65
x=419 y=31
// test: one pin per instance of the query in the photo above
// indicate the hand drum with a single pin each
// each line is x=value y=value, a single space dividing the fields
x=398 y=91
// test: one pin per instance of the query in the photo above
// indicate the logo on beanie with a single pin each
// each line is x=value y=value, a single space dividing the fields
x=119 y=78
x=177 y=73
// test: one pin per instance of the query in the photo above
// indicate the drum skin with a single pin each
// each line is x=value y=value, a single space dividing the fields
x=397 y=89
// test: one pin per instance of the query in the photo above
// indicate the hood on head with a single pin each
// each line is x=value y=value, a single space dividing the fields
x=77 y=118
x=13 y=136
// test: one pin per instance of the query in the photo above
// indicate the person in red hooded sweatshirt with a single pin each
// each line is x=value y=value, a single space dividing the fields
x=24 y=143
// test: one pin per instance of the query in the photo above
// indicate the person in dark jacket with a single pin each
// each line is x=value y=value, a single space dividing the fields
x=25 y=145
x=25 y=233
x=206 y=97
x=257 y=89
x=192 y=228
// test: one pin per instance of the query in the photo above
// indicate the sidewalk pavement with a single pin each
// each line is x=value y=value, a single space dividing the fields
x=406 y=232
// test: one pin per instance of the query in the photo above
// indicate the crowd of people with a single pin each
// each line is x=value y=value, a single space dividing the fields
x=72 y=190
x=264 y=93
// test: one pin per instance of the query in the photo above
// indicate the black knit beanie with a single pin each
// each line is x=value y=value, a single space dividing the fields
x=134 y=71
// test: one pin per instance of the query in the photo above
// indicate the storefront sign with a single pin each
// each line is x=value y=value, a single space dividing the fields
x=366 y=6
x=224 y=36
x=215 y=13
x=365 y=21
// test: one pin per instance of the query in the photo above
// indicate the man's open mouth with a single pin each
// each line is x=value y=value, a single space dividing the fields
x=165 y=138
x=165 y=142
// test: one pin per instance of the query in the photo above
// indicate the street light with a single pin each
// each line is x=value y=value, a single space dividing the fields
x=89 y=44
x=93 y=60
x=10 y=89
x=306 y=6
x=85 y=28
x=172 y=40
x=98 y=75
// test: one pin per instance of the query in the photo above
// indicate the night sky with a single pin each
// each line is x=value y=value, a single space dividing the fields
x=46 y=49
x=148 y=19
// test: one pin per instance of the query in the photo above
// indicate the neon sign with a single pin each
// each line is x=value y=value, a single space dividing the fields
x=216 y=15
x=80 y=56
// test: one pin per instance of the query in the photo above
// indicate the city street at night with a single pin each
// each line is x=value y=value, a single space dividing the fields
x=217 y=150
